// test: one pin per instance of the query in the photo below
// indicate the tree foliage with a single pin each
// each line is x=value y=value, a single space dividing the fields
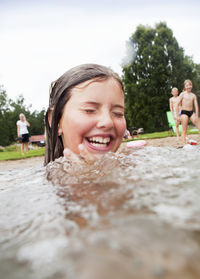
x=9 y=114
x=158 y=65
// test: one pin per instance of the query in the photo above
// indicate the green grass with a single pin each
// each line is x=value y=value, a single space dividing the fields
x=16 y=154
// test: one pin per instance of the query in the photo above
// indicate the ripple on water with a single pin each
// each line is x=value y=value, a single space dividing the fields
x=131 y=214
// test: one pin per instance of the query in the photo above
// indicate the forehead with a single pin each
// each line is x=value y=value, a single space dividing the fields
x=97 y=80
x=97 y=88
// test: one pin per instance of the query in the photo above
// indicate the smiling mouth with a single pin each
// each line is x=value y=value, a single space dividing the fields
x=101 y=142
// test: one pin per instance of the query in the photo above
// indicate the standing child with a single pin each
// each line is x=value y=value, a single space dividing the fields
x=173 y=101
x=85 y=117
x=188 y=100
x=22 y=131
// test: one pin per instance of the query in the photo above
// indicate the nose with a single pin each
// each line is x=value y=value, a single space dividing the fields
x=105 y=120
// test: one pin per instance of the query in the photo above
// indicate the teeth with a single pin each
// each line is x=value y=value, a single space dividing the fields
x=99 y=144
x=105 y=140
x=99 y=139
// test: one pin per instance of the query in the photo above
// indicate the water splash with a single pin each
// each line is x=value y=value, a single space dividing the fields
x=131 y=214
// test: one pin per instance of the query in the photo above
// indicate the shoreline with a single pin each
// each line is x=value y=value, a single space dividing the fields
x=170 y=141
x=10 y=165
x=29 y=162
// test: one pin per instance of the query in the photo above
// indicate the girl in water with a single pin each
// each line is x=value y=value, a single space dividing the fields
x=85 y=118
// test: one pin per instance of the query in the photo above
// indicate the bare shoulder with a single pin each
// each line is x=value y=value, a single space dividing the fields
x=193 y=95
x=181 y=95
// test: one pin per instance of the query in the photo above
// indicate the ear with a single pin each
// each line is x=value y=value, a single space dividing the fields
x=50 y=111
x=60 y=131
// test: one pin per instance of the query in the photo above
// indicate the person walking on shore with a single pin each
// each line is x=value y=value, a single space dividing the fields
x=22 y=132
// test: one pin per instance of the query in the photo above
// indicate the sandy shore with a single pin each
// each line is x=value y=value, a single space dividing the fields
x=171 y=141
x=22 y=163
x=16 y=164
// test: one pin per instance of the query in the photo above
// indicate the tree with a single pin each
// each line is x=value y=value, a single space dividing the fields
x=196 y=81
x=37 y=122
x=159 y=64
x=4 y=131
x=9 y=114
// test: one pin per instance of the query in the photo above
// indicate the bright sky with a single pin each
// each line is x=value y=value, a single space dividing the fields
x=41 y=39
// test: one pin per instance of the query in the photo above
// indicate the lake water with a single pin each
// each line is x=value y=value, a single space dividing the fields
x=134 y=214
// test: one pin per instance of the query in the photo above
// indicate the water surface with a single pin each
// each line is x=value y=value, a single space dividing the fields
x=134 y=214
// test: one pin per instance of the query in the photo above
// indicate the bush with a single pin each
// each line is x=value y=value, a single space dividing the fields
x=2 y=149
x=12 y=147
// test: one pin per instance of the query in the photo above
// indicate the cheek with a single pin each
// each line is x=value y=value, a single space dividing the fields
x=79 y=127
x=84 y=125
x=121 y=127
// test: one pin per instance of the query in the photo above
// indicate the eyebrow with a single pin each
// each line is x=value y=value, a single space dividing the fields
x=97 y=104
x=90 y=103
x=118 y=106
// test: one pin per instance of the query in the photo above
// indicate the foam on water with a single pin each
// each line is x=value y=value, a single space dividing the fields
x=134 y=214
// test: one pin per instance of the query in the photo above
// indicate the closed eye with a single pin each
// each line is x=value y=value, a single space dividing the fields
x=118 y=114
x=89 y=111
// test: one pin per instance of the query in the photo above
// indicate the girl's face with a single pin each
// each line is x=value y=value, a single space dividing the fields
x=94 y=116
x=188 y=86
x=22 y=117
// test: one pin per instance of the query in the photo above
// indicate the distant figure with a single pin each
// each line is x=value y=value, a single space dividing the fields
x=127 y=134
x=22 y=132
x=188 y=100
x=134 y=132
x=173 y=101
x=140 y=131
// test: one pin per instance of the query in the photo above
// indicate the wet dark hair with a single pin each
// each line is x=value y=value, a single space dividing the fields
x=60 y=93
